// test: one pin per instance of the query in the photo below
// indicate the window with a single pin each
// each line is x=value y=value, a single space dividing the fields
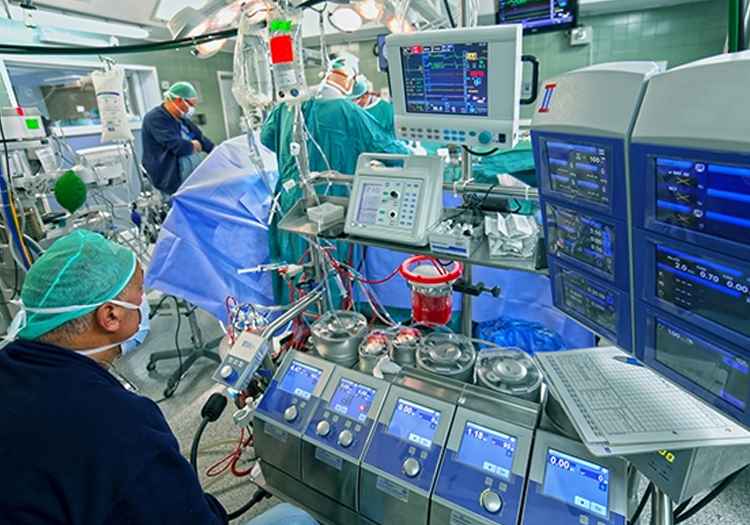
x=65 y=93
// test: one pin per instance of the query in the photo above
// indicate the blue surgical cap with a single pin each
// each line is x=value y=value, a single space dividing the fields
x=360 y=87
x=182 y=90
x=81 y=269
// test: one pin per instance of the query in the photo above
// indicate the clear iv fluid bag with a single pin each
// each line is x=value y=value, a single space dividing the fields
x=252 y=86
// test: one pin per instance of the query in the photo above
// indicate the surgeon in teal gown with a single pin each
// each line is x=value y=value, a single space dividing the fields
x=342 y=130
x=374 y=105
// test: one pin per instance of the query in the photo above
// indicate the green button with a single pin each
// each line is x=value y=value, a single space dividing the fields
x=382 y=212
x=281 y=25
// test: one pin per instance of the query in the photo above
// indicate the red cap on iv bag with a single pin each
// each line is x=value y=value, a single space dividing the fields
x=282 y=50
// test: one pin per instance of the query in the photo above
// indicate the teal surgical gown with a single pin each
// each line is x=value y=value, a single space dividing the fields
x=343 y=131
x=382 y=111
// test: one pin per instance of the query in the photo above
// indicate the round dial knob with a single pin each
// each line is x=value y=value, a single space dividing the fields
x=491 y=501
x=485 y=137
x=395 y=194
x=323 y=428
x=392 y=214
x=290 y=414
x=411 y=467
x=228 y=373
x=346 y=438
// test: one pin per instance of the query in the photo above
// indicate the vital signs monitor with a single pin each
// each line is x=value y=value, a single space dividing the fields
x=460 y=86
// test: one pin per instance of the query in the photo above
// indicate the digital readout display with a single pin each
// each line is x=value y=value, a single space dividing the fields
x=352 y=399
x=487 y=450
x=577 y=482
x=414 y=423
x=300 y=379
x=592 y=301
x=582 y=237
x=579 y=170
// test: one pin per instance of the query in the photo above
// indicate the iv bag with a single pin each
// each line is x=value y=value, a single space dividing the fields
x=110 y=97
x=252 y=86
x=285 y=46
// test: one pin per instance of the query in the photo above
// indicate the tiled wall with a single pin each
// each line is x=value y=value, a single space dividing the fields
x=677 y=34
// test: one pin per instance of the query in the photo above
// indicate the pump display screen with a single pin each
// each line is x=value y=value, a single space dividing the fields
x=581 y=237
x=720 y=372
x=487 y=450
x=352 y=400
x=595 y=303
x=369 y=203
x=300 y=380
x=707 y=288
x=414 y=423
x=446 y=79
x=579 y=170
x=703 y=196
x=577 y=482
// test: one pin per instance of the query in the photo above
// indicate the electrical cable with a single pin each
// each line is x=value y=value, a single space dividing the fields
x=257 y=498
x=136 y=48
x=708 y=498
x=480 y=153
x=642 y=504
x=450 y=13
x=177 y=348
x=211 y=411
x=679 y=509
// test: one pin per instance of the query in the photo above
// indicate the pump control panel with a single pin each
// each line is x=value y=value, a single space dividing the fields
x=396 y=198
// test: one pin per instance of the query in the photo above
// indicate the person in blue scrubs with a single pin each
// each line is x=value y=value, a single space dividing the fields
x=172 y=144
x=78 y=448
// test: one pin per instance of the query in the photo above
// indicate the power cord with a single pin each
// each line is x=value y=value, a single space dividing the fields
x=708 y=498
x=211 y=411
x=169 y=391
x=642 y=504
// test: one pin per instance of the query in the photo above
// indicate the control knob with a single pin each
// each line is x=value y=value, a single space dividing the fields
x=485 y=137
x=323 y=428
x=228 y=374
x=411 y=467
x=491 y=501
x=346 y=438
x=290 y=414
x=395 y=194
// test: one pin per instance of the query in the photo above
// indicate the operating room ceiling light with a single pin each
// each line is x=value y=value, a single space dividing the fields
x=345 y=19
x=190 y=23
x=395 y=25
x=370 y=10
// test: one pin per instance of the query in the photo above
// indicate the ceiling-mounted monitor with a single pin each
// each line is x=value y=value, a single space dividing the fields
x=538 y=16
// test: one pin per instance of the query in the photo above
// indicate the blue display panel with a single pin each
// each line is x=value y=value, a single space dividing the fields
x=709 y=197
x=579 y=170
x=716 y=291
x=487 y=450
x=446 y=78
x=582 y=237
x=369 y=203
x=300 y=379
x=595 y=302
x=716 y=370
x=538 y=15
x=352 y=400
x=577 y=482
x=414 y=423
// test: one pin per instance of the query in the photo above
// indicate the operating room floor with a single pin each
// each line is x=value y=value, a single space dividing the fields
x=182 y=410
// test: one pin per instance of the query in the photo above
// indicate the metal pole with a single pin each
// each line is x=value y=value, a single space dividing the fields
x=661 y=508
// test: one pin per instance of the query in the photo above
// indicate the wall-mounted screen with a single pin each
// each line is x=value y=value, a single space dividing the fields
x=300 y=379
x=487 y=450
x=579 y=170
x=352 y=399
x=446 y=78
x=590 y=300
x=414 y=423
x=707 y=197
x=577 y=482
x=720 y=372
x=538 y=16
x=582 y=237
x=713 y=290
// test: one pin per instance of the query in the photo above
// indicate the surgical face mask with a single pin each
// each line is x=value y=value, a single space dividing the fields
x=190 y=111
x=143 y=328
x=124 y=344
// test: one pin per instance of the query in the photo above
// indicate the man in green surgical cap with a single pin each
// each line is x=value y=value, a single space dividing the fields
x=171 y=142
x=78 y=447
x=373 y=104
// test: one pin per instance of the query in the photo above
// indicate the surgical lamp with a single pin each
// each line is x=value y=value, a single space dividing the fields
x=215 y=16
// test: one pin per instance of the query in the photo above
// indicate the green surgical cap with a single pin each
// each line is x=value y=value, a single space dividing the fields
x=82 y=268
x=182 y=90
x=360 y=87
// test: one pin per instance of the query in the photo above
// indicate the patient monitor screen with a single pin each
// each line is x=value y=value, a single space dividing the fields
x=300 y=379
x=579 y=170
x=720 y=372
x=446 y=79
x=414 y=423
x=352 y=399
x=703 y=196
x=487 y=450
x=713 y=290
x=577 y=482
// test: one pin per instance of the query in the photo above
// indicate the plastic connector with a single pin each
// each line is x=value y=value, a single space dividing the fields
x=244 y=416
x=294 y=148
